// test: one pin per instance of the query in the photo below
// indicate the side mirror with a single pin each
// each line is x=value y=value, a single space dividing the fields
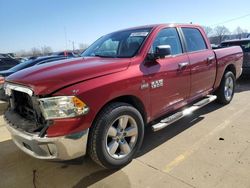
x=162 y=51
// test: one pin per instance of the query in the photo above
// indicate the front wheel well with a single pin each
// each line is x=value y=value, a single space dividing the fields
x=132 y=100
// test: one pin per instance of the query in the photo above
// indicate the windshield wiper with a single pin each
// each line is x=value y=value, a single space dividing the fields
x=98 y=55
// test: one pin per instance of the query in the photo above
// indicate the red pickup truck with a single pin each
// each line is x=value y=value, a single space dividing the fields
x=101 y=102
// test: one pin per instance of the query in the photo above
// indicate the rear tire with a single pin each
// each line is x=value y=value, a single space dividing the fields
x=116 y=135
x=226 y=89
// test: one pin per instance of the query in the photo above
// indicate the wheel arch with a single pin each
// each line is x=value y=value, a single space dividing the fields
x=221 y=72
x=232 y=68
x=132 y=100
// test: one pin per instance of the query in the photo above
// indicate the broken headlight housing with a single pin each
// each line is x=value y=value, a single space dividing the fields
x=62 y=107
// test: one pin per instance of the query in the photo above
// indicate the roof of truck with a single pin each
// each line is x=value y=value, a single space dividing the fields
x=162 y=25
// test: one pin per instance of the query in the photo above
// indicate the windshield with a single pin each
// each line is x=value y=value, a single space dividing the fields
x=119 y=44
x=245 y=45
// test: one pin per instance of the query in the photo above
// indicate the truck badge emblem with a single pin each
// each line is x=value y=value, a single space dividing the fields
x=75 y=91
x=157 y=83
x=144 y=85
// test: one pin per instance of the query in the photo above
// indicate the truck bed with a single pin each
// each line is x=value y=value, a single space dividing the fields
x=225 y=56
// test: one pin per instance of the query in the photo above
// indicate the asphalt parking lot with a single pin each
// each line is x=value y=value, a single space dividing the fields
x=211 y=148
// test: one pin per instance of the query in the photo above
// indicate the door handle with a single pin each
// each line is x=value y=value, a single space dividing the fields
x=183 y=65
x=210 y=59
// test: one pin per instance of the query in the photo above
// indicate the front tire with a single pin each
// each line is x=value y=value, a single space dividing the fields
x=116 y=135
x=225 y=92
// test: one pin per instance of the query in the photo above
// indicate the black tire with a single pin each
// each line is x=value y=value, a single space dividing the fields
x=221 y=94
x=97 y=144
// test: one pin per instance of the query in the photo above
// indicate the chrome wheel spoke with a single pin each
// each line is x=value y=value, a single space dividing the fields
x=121 y=136
x=123 y=121
x=113 y=146
x=112 y=132
x=125 y=148
x=227 y=82
x=130 y=131
x=228 y=89
x=231 y=83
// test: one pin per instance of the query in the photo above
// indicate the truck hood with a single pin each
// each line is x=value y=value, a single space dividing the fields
x=47 y=78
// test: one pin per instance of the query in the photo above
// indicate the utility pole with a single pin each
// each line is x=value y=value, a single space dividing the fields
x=66 y=41
x=73 y=44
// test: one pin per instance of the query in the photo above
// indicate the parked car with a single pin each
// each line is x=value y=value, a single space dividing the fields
x=29 y=63
x=7 y=62
x=24 y=65
x=101 y=102
x=21 y=59
x=245 y=45
x=66 y=53
x=214 y=46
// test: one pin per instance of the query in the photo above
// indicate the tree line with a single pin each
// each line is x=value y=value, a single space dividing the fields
x=47 y=50
x=221 y=33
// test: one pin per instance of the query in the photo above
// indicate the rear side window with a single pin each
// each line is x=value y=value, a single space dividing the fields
x=194 y=40
x=169 y=37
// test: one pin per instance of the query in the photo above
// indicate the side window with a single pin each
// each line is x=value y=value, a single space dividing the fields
x=194 y=39
x=169 y=37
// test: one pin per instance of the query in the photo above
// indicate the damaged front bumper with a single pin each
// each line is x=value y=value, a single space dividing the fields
x=54 y=148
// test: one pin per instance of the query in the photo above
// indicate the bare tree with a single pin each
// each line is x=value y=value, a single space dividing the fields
x=21 y=53
x=220 y=32
x=35 y=51
x=83 y=46
x=208 y=30
x=239 y=32
x=245 y=33
x=46 y=50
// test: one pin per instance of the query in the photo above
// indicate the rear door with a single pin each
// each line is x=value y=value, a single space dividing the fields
x=169 y=77
x=202 y=62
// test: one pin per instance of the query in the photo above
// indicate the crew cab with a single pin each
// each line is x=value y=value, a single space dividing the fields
x=100 y=103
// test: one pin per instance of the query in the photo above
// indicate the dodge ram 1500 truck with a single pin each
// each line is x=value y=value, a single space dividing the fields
x=100 y=103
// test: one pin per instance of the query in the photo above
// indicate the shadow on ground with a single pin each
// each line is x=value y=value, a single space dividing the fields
x=20 y=170
x=243 y=84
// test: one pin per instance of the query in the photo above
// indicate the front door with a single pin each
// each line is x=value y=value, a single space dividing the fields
x=169 y=77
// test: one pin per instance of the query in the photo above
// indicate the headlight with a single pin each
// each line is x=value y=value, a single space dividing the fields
x=62 y=107
x=2 y=80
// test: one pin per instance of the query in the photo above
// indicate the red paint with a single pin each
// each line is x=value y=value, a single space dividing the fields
x=97 y=81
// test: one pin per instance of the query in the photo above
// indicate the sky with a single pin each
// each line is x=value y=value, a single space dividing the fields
x=57 y=23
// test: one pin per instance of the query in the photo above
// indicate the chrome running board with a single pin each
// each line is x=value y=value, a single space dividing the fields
x=178 y=115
